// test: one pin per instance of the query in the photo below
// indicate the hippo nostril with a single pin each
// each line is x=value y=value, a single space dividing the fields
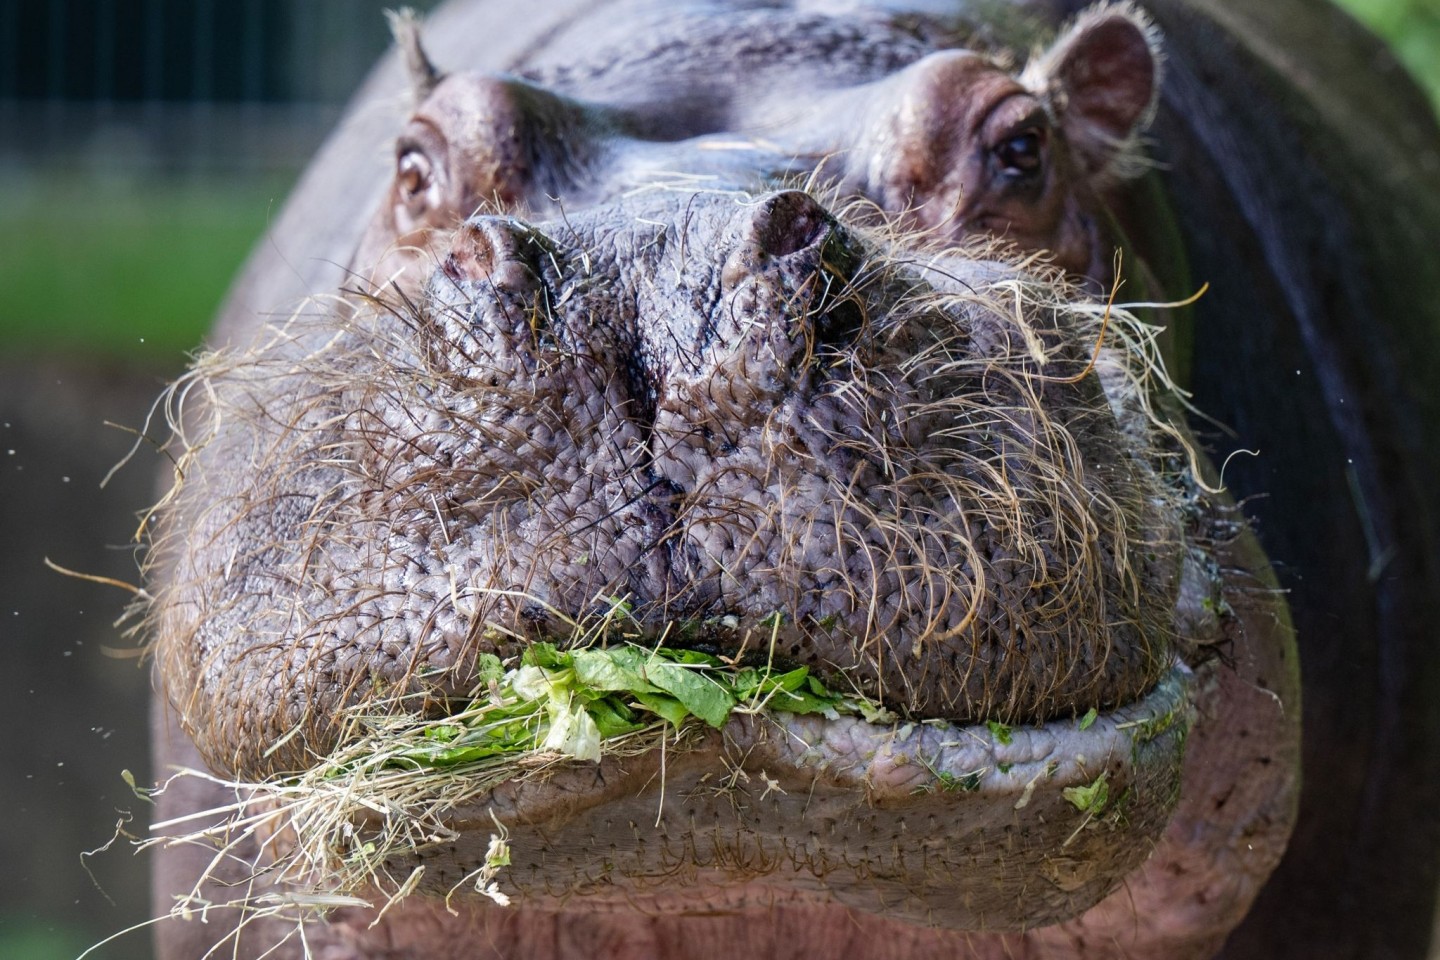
x=788 y=222
x=494 y=251
x=794 y=276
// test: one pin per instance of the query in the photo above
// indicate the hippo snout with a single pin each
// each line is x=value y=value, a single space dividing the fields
x=903 y=474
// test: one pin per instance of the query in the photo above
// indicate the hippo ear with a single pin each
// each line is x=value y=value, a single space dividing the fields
x=405 y=28
x=1101 y=79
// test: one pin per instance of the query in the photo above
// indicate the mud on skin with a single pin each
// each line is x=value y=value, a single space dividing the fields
x=832 y=405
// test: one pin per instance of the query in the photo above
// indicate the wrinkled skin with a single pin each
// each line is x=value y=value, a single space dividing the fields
x=675 y=414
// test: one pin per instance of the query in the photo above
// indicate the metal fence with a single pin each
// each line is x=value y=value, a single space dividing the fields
x=179 y=84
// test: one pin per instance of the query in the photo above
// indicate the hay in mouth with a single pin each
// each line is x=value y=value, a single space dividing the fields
x=405 y=766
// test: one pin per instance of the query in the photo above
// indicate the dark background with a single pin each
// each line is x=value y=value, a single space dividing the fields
x=144 y=146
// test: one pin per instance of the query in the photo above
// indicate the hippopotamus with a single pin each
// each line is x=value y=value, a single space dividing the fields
x=683 y=304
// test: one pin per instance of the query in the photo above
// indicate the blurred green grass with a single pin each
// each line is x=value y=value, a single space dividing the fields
x=1412 y=28
x=133 y=269
x=28 y=939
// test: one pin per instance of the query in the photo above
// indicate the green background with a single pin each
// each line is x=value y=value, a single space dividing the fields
x=142 y=265
x=1413 y=29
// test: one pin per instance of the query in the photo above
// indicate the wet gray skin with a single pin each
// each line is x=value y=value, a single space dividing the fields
x=775 y=421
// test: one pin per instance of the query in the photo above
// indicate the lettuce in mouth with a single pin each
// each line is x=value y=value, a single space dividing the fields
x=392 y=786
x=570 y=702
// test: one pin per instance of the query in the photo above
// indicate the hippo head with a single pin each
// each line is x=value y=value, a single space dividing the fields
x=826 y=426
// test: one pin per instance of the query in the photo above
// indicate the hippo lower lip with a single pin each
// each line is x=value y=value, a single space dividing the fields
x=1026 y=827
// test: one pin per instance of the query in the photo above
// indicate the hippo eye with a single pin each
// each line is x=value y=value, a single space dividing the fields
x=412 y=175
x=1020 y=155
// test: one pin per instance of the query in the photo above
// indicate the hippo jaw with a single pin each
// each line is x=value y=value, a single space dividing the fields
x=910 y=479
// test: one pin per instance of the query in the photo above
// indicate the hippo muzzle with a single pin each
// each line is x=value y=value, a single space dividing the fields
x=933 y=482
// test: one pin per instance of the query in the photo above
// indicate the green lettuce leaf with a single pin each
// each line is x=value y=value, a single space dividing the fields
x=702 y=696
